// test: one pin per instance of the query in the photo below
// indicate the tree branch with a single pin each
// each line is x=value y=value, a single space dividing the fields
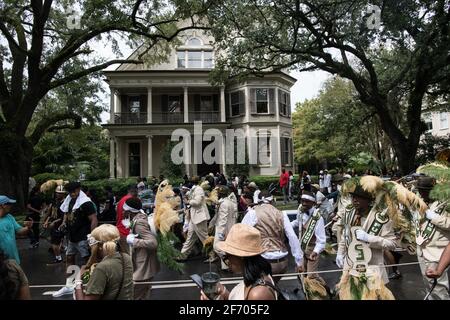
x=78 y=75
x=47 y=122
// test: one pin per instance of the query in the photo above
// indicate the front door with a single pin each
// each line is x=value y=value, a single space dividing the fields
x=134 y=159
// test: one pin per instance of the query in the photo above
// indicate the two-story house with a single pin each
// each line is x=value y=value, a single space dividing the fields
x=149 y=102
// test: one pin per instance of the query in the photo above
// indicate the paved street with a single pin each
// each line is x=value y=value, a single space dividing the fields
x=34 y=264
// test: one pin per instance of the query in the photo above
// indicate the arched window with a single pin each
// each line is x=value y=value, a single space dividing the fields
x=194 y=42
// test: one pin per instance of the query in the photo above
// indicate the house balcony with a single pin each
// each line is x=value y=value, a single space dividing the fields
x=127 y=118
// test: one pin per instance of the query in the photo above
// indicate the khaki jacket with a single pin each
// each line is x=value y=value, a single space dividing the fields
x=198 y=211
x=432 y=249
x=145 y=261
x=226 y=216
x=385 y=240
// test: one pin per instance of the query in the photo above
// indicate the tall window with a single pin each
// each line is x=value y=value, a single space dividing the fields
x=443 y=120
x=285 y=150
x=181 y=55
x=199 y=59
x=134 y=104
x=264 y=148
x=134 y=159
x=237 y=102
x=174 y=104
x=262 y=101
x=283 y=102
x=206 y=103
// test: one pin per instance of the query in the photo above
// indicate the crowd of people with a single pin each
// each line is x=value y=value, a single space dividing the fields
x=116 y=244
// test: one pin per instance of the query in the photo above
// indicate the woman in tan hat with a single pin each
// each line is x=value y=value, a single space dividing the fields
x=243 y=255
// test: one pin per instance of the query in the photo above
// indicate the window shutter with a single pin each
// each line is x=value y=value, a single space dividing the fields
x=271 y=101
x=196 y=102
x=182 y=103
x=280 y=96
x=124 y=106
x=283 y=162
x=143 y=103
x=164 y=103
x=216 y=103
x=241 y=102
x=288 y=104
x=252 y=101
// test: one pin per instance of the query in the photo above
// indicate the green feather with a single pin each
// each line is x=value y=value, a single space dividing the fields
x=167 y=253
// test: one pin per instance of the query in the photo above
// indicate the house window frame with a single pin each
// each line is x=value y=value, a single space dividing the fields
x=238 y=103
x=202 y=58
x=178 y=98
x=285 y=103
x=127 y=158
x=267 y=101
x=288 y=152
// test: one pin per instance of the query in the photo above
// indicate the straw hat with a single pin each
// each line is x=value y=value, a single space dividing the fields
x=242 y=241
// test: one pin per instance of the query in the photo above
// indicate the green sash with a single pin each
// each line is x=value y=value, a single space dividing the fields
x=429 y=230
x=307 y=236
x=381 y=218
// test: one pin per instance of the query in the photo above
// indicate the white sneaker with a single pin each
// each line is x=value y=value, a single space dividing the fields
x=63 y=291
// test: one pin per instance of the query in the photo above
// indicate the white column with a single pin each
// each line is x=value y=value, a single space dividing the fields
x=186 y=107
x=277 y=105
x=149 y=156
x=149 y=105
x=119 y=158
x=222 y=105
x=278 y=146
x=187 y=155
x=224 y=169
x=117 y=102
x=112 y=108
x=112 y=157
x=247 y=104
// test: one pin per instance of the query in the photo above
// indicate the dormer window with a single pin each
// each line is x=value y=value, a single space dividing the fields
x=195 y=55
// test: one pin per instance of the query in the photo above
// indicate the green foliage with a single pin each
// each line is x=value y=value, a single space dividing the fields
x=363 y=161
x=167 y=253
x=71 y=152
x=324 y=129
x=168 y=168
x=441 y=172
x=429 y=147
x=119 y=186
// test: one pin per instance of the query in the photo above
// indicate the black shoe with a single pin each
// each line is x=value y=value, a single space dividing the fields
x=395 y=275
x=55 y=262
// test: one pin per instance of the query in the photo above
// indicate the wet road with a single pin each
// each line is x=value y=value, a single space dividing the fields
x=34 y=261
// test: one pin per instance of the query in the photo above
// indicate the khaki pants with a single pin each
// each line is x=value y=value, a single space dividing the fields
x=142 y=291
x=440 y=292
x=311 y=266
x=279 y=268
x=195 y=231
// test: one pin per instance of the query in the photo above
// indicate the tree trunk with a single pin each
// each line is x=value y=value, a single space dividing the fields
x=15 y=167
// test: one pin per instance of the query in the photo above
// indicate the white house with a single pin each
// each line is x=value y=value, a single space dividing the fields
x=149 y=102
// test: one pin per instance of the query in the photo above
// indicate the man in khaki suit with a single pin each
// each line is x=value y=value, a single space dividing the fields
x=226 y=216
x=360 y=214
x=432 y=237
x=197 y=219
x=143 y=245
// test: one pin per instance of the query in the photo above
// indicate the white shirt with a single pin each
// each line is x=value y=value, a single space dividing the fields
x=251 y=219
x=256 y=196
x=327 y=181
x=319 y=231
x=321 y=182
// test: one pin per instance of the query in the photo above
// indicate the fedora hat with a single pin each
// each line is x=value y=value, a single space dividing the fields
x=360 y=192
x=425 y=183
x=242 y=241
